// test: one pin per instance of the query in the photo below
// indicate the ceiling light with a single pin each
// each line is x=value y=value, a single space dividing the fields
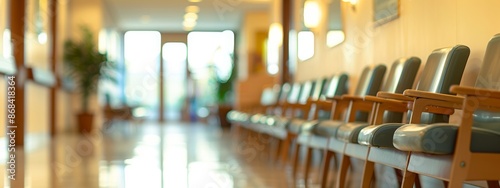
x=276 y=34
x=145 y=19
x=194 y=1
x=312 y=13
x=352 y=2
x=193 y=9
x=190 y=16
x=186 y=23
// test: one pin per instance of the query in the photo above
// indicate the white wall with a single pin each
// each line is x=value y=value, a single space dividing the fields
x=3 y=22
x=423 y=26
x=252 y=22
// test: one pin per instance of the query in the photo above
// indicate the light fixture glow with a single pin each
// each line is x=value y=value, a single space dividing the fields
x=352 y=2
x=188 y=24
x=194 y=1
x=145 y=18
x=335 y=37
x=103 y=41
x=193 y=9
x=42 y=38
x=190 y=16
x=276 y=34
x=7 y=44
x=272 y=58
x=312 y=13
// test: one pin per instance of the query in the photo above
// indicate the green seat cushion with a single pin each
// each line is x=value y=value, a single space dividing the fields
x=299 y=126
x=296 y=125
x=277 y=121
x=349 y=132
x=327 y=128
x=378 y=135
x=440 y=139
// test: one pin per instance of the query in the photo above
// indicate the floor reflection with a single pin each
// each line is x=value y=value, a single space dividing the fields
x=143 y=155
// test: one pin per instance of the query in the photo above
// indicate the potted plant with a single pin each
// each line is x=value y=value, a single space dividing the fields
x=225 y=96
x=86 y=65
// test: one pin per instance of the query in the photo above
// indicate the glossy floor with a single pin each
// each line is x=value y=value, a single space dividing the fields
x=151 y=155
x=146 y=155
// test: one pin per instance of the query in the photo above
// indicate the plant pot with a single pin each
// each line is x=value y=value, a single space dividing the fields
x=85 y=122
x=222 y=112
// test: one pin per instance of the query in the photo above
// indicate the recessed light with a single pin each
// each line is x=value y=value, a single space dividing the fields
x=193 y=9
x=190 y=16
x=145 y=18
x=186 y=23
x=194 y=1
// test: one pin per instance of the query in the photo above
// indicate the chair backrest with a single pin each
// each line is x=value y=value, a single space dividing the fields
x=305 y=92
x=268 y=96
x=319 y=84
x=443 y=69
x=337 y=86
x=370 y=81
x=277 y=89
x=369 y=84
x=360 y=87
x=401 y=77
x=293 y=96
x=284 y=92
x=489 y=78
x=334 y=86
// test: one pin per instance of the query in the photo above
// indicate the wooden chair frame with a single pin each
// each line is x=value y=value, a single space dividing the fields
x=463 y=165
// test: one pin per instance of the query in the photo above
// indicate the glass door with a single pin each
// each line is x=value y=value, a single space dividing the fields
x=142 y=57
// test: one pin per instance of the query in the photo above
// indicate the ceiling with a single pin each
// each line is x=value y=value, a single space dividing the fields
x=168 y=15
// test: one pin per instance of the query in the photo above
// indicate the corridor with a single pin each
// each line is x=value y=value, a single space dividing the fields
x=138 y=155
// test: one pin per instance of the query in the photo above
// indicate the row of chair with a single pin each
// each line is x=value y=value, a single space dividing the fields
x=389 y=123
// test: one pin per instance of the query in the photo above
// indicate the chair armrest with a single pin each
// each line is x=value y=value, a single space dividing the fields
x=384 y=100
x=435 y=96
x=352 y=97
x=480 y=92
x=336 y=98
x=396 y=96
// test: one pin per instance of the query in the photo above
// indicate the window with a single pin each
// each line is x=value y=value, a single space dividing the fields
x=305 y=45
x=142 y=52
x=209 y=58
x=174 y=56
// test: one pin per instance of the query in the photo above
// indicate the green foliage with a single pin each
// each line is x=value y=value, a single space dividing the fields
x=85 y=64
x=225 y=87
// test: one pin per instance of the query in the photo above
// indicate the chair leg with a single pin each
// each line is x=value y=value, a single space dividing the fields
x=278 y=145
x=307 y=164
x=325 y=168
x=367 y=174
x=493 y=184
x=235 y=130
x=269 y=147
x=458 y=175
x=417 y=181
x=408 y=179
x=285 y=146
x=345 y=163
x=399 y=176
x=295 y=159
